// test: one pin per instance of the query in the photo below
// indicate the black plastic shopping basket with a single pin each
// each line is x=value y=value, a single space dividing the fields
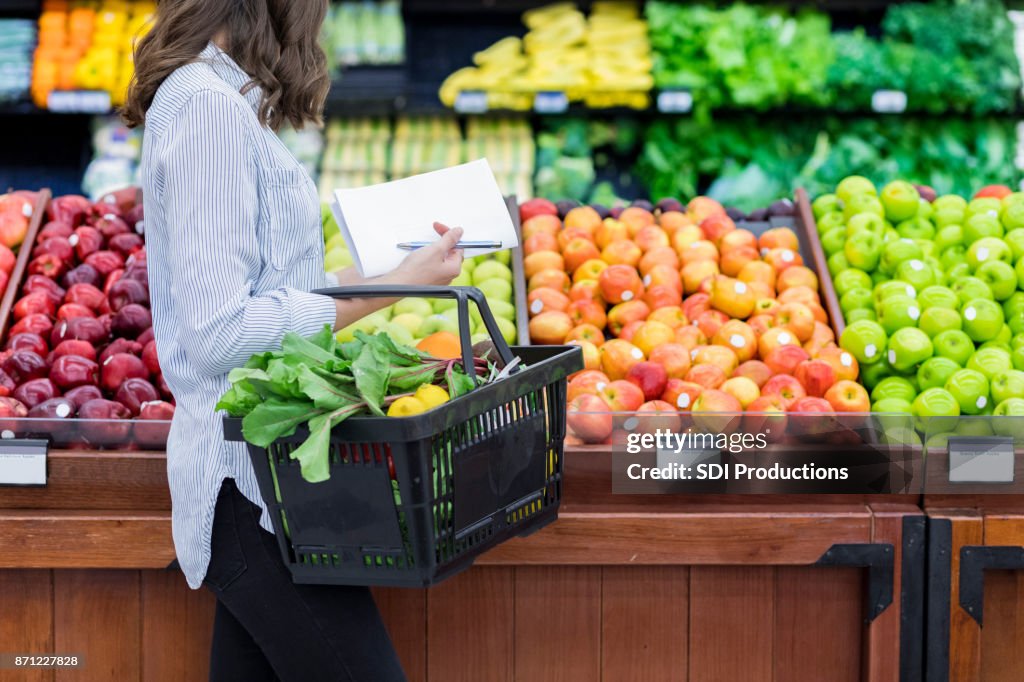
x=411 y=501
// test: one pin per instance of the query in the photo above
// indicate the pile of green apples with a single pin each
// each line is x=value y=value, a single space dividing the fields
x=412 y=319
x=932 y=292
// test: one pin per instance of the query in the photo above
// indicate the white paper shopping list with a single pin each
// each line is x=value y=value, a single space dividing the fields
x=375 y=219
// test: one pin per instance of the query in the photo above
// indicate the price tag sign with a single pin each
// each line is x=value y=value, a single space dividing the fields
x=79 y=101
x=980 y=459
x=675 y=101
x=471 y=102
x=23 y=461
x=889 y=101
x=550 y=103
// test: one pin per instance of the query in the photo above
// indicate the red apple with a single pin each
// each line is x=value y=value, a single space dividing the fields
x=785 y=387
x=680 y=393
x=755 y=370
x=708 y=411
x=816 y=376
x=589 y=418
x=848 y=396
x=622 y=396
x=649 y=377
x=785 y=359
x=658 y=414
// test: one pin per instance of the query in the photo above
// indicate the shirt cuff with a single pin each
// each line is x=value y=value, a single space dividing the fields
x=310 y=312
x=331 y=279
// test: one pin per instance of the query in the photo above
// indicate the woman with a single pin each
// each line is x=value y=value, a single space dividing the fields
x=235 y=246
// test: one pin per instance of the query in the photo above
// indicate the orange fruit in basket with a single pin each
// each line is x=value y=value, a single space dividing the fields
x=441 y=345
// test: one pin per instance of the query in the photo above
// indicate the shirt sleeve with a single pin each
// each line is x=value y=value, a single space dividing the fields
x=211 y=203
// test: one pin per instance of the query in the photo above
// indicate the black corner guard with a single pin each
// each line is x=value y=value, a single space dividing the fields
x=974 y=561
x=879 y=559
x=913 y=562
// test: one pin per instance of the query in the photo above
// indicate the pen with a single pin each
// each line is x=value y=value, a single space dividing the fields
x=412 y=246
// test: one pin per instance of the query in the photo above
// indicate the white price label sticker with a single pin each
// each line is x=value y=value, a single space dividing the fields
x=675 y=101
x=889 y=101
x=22 y=462
x=550 y=103
x=78 y=101
x=471 y=102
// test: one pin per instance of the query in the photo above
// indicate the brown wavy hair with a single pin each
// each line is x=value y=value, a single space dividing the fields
x=276 y=42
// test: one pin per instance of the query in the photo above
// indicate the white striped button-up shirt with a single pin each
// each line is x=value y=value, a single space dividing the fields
x=234 y=245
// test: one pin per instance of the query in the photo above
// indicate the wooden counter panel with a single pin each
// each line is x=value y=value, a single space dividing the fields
x=766 y=538
x=97 y=480
x=26 y=619
x=98 y=614
x=68 y=539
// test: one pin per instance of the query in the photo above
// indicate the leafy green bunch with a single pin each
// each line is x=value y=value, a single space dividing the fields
x=320 y=383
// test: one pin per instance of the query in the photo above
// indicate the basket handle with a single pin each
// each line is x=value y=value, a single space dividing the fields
x=462 y=296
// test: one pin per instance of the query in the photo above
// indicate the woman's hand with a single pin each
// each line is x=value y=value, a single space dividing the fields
x=437 y=264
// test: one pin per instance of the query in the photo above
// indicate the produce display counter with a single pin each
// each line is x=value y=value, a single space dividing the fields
x=976 y=603
x=626 y=587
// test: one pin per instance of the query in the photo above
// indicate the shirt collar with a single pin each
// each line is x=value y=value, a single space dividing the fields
x=231 y=73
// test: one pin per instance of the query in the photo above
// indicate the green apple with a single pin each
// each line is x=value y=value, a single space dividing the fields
x=495 y=288
x=872 y=375
x=440 y=305
x=925 y=209
x=990 y=361
x=851 y=278
x=908 y=347
x=989 y=205
x=1008 y=384
x=489 y=270
x=866 y=340
x=834 y=240
x=927 y=247
x=983 y=319
x=464 y=279
x=1012 y=215
x=937 y=296
x=508 y=330
x=440 y=322
x=893 y=288
x=950 y=235
x=1017 y=341
x=934 y=372
x=934 y=321
x=409 y=321
x=863 y=250
x=971 y=390
x=860 y=314
x=971 y=288
x=916 y=228
x=955 y=345
x=479 y=338
x=892 y=406
x=878 y=277
x=901 y=437
x=943 y=217
x=1010 y=422
x=917 y=273
x=400 y=334
x=901 y=200
x=1000 y=278
x=980 y=226
x=416 y=306
x=1019 y=269
x=502 y=309
x=863 y=203
x=893 y=387
x=826 y=203
x=370 y=324
x=503 y=257
x=898 y=251
x=954 y=262
x=853 y=185
x=865 y=222
x=938 y=442
x=1015 y=240
x=988 y=248
x=890 y=235
x=973 y=427
x=1011 y=198
x=950 y=201
x=831 y=221
x=854 y=299
x=469 y=265
x=935 y=409
x=1014 y=314
x=898 y=312
x=837 y=263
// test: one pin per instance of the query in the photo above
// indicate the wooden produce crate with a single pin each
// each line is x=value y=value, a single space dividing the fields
x=10 y=294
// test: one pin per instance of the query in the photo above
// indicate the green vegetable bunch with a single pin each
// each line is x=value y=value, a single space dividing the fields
x=320 y=383
x=573 y=152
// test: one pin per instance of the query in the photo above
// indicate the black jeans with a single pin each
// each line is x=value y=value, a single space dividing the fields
x=268 y=628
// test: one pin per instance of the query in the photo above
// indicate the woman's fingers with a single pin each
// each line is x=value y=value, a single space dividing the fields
x=441 y=228
x=449 y=239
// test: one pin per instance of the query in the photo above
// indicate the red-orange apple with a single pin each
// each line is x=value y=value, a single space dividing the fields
x=733 y=297
x=690 y=337
x=796 y=317
x=617 y=356
x=755 y=370
x=796 y=276
x=659 y=255
x=662 y=296
x=664 y=275
x=622 y=396
x=778 y=238
x=570 y=233
x=702 y=207
x=757 y=271
x=591 y=356
x=694 y=305
x=780 y=259
x=624 y=313
x=681 y=393
x=671 y=221
x=609 y=231
x=586 y=382
x=630 y=330
x=579 y=251
x=583 y=216
x=674 y=357
x=708 y=376
x=585 y=332
x=799 y=294
x=686 y=235
x=767 y=416
x=743 y=389
x=649 y=377
x=848 y=396
x=785 y=388
x=623 y=252
x=816 y=376
x=722 y=356
x=842 y=362
x=716 y=411
x=657 y=414
x=542 y=241
x=550 y=328
x=710 y=321
x=651 y=335
x=636 y=218
x=694 y=274
x=784 y=359
x=651 y=237
x=544 y=300
x=761 y=323
x=552 y=279
x=736 y=239
x=549 y=224
x=773 y=338
x=733 y=261
x=589 y=270
x=542 y=260
x=587 y=312
x=586 y=290
x=672 y=315
x=589 y=419
x=738 y=337
x=621 y=283
x=698 y=251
